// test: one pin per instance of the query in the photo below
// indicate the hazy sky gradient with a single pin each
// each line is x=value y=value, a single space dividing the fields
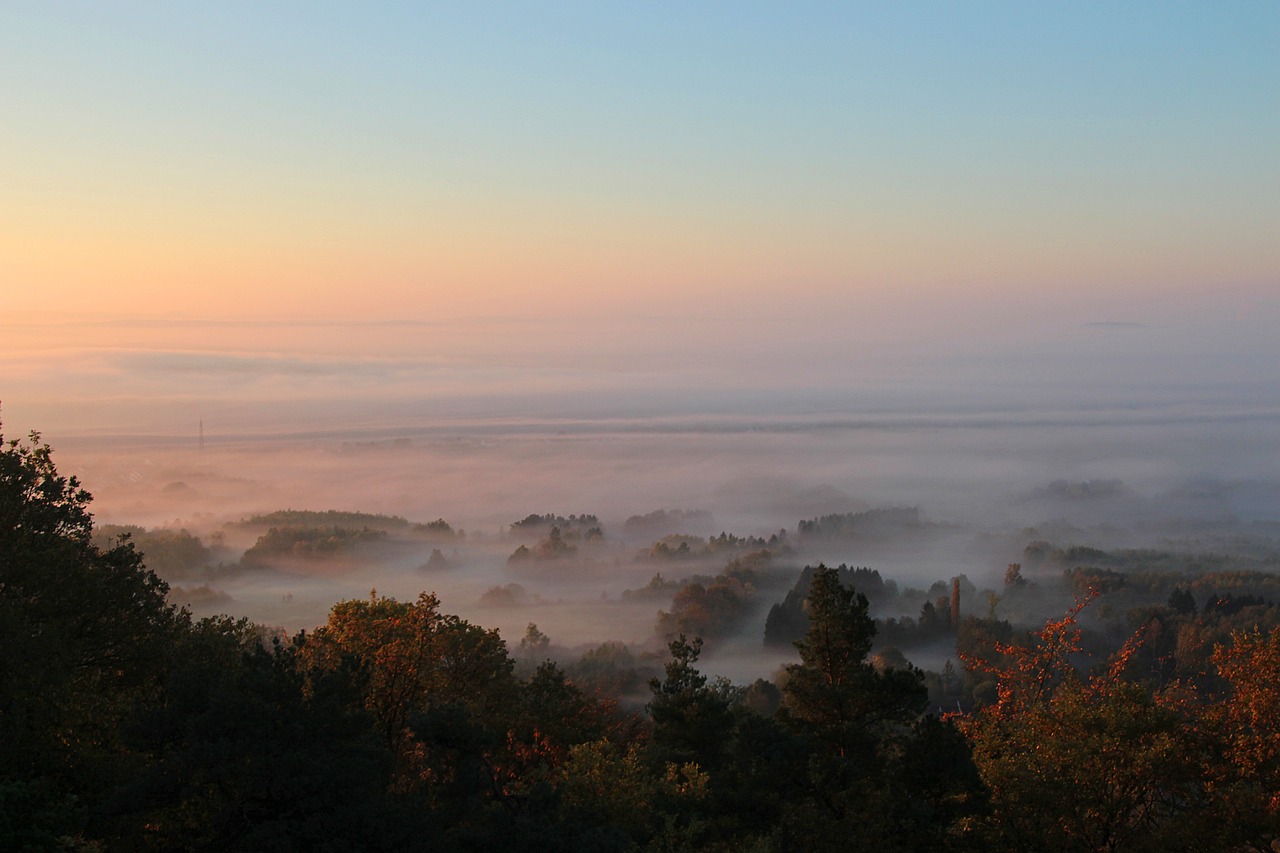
x=420 y=199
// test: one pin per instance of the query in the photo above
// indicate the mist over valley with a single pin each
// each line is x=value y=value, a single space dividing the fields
x=923 y=496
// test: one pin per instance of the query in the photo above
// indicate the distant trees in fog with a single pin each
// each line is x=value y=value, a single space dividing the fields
x=326 y=518
x=870 y=523
x=678 y=546
x=553 y=547
x=570 y=526
x=438 y=530
x=308 y=543
x=1147 y=717
x=787 y=620
x=170 y=553
x=717 y=607
x=506 y=595
x=663 y=522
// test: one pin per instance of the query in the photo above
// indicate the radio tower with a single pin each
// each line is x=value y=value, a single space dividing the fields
x=202 y=433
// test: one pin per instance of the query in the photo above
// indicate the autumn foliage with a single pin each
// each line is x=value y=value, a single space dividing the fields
x=128 y=725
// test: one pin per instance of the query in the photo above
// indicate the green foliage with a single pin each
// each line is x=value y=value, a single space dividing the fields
x=242 y=757
x=788 y=620
x=834 y=692
x=1182 y=601
x=557 y=712
x=437 y=530
x=553 y=547
x=84 y=633
x=690 y=718
x=437 y=561
x=605 y=783
x=308 y=543
x=37 y=815
x=572 y=525
x=534 y=643
x=867 y=743
x=658 y=588
x=872 y=523
x=507 y=595
x=762 y=698
x=712 y=608
x=678 y=546
x=610 y=669
x=395 y=726
x=662 y=521
x=326 y=518
x=172 y=554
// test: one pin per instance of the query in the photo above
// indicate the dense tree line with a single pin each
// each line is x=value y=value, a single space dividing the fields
x=326 y=518
x=308 y=543
x=664 y=521
x=869 y=523
x=127 y=725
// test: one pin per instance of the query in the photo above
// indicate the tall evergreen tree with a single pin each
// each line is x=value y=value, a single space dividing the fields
x=858 y=721
x=834 y=692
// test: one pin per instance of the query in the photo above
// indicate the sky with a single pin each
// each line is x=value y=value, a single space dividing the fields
x=795 y=206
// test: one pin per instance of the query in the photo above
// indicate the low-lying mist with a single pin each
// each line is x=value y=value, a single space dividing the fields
x=641 y=502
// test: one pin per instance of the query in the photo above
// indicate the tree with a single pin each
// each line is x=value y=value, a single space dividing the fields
x=242 y=758
x=614 y=788
x=1182 y=601
x=408 y=658
x=834 y=691
x=691 y=720
x=1086 y=763
x=84 y=632
x=534 y=643
x=858 y=721
x=1247 y=727
x=1013 y=578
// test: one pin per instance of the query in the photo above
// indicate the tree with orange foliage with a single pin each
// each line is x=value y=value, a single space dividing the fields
x=408 y=660
x=1078 y=762
x=480 y=749
x=1246 y=723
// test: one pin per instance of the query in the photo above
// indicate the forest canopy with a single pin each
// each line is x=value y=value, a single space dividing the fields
x=127 y=724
